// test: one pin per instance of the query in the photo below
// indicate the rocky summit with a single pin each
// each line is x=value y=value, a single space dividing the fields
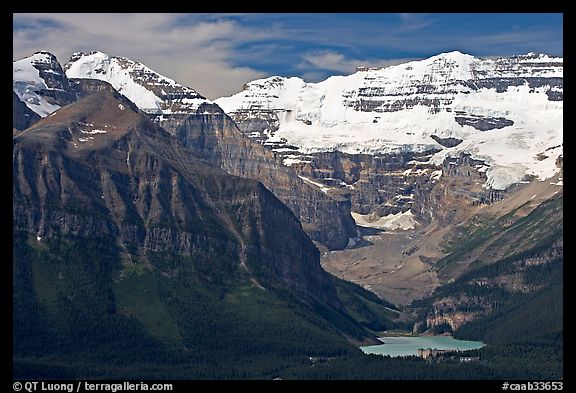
x=39 y=81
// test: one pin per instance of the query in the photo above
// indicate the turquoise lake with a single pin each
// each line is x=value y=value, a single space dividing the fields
x=405 y=346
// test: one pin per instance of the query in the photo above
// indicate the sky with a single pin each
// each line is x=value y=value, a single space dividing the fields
x=216 y=54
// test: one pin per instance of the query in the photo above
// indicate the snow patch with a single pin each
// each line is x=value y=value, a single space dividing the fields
x=398 y=221
x=291 y=160
x=322 y=187
x=94 y=131
x=435 y=175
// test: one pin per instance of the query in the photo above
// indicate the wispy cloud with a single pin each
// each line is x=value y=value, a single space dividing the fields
x=413 y=22
x=334 y=61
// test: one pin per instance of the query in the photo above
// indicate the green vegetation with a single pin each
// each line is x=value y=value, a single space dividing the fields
x=137 y=297
x=78 y=312
x=518 y=298
x=84 y=309
x=503 y=236
x=76 y=316
x=365 y=307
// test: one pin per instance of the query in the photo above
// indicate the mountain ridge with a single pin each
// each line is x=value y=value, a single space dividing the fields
x=39 y=81
x=484 y=103
x=150 y=91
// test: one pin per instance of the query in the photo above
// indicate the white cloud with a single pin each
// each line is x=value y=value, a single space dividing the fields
x=198 y=53
x=334 y=61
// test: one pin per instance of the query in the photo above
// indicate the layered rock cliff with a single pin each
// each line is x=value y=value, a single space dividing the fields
x=99 y=168
x=206 y=130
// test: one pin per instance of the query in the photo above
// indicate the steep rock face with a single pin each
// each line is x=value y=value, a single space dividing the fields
x=388 y=184
x=483 y=123
x=444 y=198
x=85 y=87
x=375 y=183
x=446 y=142
x=22 y=116
x=212 y=134
x=100 y=168
x=206 y=130
x=257 y=123
x=446 y=313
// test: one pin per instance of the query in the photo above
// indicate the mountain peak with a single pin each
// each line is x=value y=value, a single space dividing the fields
x=153 y=93
x=43 y=56
x=89 y=123
x=455 y=55
x=39 y=81
x=532 y=57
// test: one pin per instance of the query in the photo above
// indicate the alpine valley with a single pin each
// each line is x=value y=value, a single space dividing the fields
x=269 y=234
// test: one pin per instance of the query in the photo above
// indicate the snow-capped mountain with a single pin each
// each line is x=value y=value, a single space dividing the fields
x=506 y=112
x=151 y=92
x=41 y=84
x=382 y=142
x=206 y=130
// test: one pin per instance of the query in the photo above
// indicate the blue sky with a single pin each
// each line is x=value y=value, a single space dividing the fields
x=217 y=53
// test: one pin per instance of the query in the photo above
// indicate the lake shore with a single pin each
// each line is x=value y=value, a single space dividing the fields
x=397 y=345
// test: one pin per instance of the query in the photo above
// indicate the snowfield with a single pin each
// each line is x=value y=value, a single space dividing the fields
x=321 y=116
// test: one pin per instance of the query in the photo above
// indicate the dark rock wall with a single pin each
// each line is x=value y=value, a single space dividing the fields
x=161 y=200
x=213 y=135
x=22 y=116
